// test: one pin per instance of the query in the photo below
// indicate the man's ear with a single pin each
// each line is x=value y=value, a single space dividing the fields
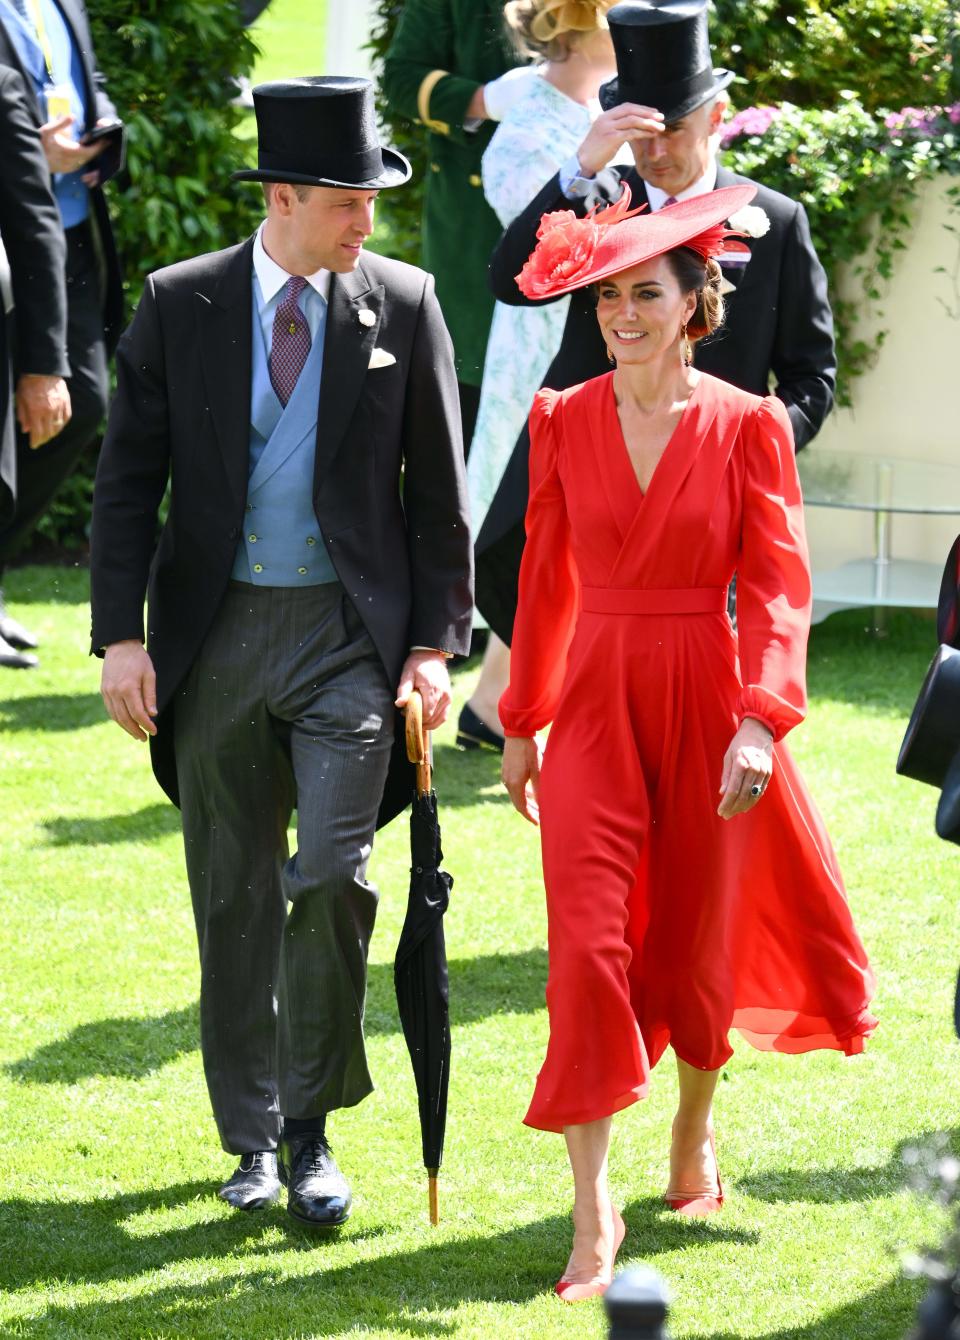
x=718 y=113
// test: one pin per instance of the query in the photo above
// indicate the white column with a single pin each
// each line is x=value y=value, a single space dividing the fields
x=348 y=28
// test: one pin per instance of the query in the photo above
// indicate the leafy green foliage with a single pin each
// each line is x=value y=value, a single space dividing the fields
x=398 y=212
x=856 y=174
x=883 y=52
x=170 y=67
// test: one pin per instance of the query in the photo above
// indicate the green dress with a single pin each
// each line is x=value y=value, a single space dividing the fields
x=443 y=50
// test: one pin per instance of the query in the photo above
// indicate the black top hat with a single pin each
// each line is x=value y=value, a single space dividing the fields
x=321 y=130
x=663 y=57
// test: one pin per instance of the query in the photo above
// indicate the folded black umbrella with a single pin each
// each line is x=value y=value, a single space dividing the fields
x=420 y=966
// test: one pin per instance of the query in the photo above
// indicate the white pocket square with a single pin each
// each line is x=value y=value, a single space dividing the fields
x=380 y=358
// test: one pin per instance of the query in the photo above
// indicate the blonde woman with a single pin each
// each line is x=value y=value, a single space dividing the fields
x=572 y=41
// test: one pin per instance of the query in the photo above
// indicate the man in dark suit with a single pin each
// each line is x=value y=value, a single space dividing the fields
x=33 y=314
x=667 y=103
x=48 y=42
x=313 y=569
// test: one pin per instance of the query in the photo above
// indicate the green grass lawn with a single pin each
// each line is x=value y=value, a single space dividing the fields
x=109 y=1226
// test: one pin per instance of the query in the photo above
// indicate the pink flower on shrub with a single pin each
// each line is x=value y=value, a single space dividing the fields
x=751 y=121
x=920 y=120
x=953 y=112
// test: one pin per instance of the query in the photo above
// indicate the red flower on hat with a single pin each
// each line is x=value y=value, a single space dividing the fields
x=566 y=246
x=717 y=241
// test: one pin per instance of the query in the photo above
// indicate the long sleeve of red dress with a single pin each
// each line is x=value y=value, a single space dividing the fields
x=549 y=587
x=773 y=577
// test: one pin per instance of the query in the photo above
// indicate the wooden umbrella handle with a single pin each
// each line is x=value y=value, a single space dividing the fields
x=418 y=742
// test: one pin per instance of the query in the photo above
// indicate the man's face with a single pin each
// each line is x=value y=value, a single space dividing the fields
x=676 y=158
x=328 y=228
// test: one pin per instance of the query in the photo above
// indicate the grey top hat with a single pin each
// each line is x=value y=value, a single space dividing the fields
x=321 y=130
x=663 y=57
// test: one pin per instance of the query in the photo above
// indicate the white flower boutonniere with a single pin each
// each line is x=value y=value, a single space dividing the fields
x=752 y=221
x=368 y=318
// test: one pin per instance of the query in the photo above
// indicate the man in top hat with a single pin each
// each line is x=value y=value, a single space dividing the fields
x=667 y=102
x=288 y=386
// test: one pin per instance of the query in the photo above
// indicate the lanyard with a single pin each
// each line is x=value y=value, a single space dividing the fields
x=36 y=14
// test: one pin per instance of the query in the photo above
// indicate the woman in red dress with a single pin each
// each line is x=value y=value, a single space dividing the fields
x=668 y=923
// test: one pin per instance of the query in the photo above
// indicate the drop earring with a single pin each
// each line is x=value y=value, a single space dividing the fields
x=685 y=349
x=610 y=357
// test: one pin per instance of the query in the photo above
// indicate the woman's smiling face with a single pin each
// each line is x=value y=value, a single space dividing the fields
x=641 y=311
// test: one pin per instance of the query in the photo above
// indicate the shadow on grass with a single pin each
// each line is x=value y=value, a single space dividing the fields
x=882 y=1314
x=825 y=1186
x=89 y=1243
x=467 y=777
x=52 y=711
x=65 y=583
x=879 y=675
x=129 y=1048
x=152 y=821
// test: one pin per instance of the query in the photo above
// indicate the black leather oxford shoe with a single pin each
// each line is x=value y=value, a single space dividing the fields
x=254 y=1184
x=317 y=1191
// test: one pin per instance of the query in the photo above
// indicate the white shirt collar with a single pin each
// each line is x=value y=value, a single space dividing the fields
x=707 y=182
x=272 y=276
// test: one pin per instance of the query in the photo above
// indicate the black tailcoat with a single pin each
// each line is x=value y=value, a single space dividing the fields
x=389 y=490
x=33 y=337
x=778 y=325
x=98 y=106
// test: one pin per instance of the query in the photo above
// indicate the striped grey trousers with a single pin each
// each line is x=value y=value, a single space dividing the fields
x=286 y=706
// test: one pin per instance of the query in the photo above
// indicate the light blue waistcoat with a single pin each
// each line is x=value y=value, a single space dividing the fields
x=282 y=544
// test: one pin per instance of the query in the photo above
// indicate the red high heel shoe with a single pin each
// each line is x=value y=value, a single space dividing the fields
x=699 y=1204
x=575 y=1291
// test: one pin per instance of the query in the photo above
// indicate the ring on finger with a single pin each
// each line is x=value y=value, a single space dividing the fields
x=756 y=789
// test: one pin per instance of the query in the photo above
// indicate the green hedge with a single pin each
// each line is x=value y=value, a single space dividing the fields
x=170 y=67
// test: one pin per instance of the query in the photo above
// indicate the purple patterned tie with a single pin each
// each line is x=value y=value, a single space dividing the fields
x=670 y=200
x=291 y=340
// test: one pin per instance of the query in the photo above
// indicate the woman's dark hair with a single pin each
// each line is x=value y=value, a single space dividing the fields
x=692 y=272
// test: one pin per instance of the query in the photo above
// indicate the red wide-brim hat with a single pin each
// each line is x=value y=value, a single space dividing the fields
x=572 y=252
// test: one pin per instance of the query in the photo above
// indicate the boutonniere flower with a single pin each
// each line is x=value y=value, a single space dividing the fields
x=752 y=221
x=366 y=317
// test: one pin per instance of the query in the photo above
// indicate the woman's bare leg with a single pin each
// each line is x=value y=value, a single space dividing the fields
x=494 y=677
x=596 y=1224
x=692 y=1165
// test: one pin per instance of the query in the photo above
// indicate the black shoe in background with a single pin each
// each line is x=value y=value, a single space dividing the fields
x=12 y=631
x=472 y=733
x=14 y=659
x=318 y=1194
x=255 y=1182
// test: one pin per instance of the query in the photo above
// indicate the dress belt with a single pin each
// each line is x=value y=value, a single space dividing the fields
x=629 y=600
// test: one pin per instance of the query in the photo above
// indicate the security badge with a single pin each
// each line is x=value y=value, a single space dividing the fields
x=57 y=98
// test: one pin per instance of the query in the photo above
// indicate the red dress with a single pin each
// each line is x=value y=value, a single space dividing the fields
x=668 y=924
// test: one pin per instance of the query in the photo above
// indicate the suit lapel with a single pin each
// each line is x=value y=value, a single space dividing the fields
x=226 y=358
x=348 y=344
x=10 y=55
x=79 y=31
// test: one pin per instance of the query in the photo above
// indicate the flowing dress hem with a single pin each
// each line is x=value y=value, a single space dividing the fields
x=584 y=1115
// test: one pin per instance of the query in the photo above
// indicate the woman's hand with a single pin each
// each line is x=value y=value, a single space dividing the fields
x=747 y=763
x=521 y=775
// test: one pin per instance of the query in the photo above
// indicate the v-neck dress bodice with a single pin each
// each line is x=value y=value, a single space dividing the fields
x=668 y=924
